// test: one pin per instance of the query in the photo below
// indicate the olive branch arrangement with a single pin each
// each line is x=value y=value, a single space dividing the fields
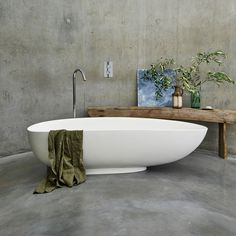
x=187 y=77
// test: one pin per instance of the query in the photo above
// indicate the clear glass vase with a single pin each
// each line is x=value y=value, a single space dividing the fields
x=196 y=99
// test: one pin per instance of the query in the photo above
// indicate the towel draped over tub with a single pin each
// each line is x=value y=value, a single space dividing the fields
x=65 y=150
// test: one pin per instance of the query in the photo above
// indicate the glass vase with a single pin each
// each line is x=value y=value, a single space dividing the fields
x=195 y=99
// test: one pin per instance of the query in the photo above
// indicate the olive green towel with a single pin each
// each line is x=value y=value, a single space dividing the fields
x=65 y=150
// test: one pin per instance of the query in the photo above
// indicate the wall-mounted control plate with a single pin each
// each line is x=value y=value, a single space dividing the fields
x=108 y=69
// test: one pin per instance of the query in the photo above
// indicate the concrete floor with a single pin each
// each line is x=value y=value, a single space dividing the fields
x=194 y=196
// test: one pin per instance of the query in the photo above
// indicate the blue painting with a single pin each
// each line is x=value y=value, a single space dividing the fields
x=146 y=91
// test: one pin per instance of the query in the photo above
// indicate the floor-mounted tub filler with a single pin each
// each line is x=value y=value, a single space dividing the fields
x=123 y=145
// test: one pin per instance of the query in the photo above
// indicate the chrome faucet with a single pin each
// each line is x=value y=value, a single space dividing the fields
x=74 y=89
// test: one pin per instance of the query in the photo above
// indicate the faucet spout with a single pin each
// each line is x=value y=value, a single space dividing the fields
x=74 y=89
x=82 y=73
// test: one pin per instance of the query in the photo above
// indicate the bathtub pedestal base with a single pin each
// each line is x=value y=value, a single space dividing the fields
x=102 y=171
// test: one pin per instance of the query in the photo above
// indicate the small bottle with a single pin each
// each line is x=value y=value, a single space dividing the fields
x=177 y=97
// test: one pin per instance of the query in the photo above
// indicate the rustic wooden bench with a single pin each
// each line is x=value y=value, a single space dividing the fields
x=222 y=117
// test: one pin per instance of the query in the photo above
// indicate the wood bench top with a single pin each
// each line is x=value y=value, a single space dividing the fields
x=215 y=115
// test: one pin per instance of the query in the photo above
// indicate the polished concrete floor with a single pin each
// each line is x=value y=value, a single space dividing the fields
x=194 y=196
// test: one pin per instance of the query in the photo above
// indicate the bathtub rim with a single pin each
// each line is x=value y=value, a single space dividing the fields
x=189 y=124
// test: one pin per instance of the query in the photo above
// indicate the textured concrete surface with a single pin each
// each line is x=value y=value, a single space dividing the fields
x=194 y=196
x=42 y=42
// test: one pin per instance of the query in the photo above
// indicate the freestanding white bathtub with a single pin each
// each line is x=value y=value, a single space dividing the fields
x=123 y=145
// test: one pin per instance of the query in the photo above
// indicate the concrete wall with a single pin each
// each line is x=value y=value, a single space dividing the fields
x=42 y=42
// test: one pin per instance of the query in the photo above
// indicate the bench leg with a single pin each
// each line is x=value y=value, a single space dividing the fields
x=223 y=150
